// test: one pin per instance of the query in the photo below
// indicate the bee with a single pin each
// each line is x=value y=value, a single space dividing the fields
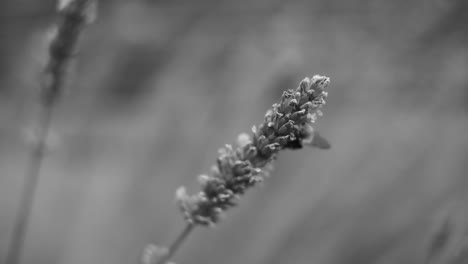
x=309 y=137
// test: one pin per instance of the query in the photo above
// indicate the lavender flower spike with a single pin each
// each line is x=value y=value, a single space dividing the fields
x=287 y=125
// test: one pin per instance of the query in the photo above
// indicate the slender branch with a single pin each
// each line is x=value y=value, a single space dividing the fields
x=176 y=244
x=73 y=15
x=29 y=188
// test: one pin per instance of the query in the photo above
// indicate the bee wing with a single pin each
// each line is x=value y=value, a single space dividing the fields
x=318 y=141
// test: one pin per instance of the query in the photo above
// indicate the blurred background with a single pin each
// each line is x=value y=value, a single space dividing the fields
x=159 y=86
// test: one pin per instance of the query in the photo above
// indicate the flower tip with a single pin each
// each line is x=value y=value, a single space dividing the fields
x=254 y=129
x=181 y=193
x=62 y=4
x=91 y=12
x=320 y=81
x=243 y=140
x=203 y=179
x=86 y=9
x=305 y=84
x=52 y=142
x=153 y=252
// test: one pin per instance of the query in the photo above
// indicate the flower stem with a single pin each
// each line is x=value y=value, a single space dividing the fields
x=30 y=185
x=176 y=244
x=73 y=15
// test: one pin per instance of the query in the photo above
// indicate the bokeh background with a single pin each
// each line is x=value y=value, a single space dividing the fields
x=159 y=86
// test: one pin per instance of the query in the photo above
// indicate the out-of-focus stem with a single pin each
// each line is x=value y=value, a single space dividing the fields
x=73 y=15
x=29 y=188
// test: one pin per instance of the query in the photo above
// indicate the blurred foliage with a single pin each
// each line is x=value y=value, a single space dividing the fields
x=156 y=90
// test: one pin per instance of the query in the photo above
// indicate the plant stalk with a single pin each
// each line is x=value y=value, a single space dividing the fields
x=73 y=16
x=33 y=172
x=176 y=244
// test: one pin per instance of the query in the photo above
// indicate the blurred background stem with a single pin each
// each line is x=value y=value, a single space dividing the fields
x=30 y=185
x=73 y=15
